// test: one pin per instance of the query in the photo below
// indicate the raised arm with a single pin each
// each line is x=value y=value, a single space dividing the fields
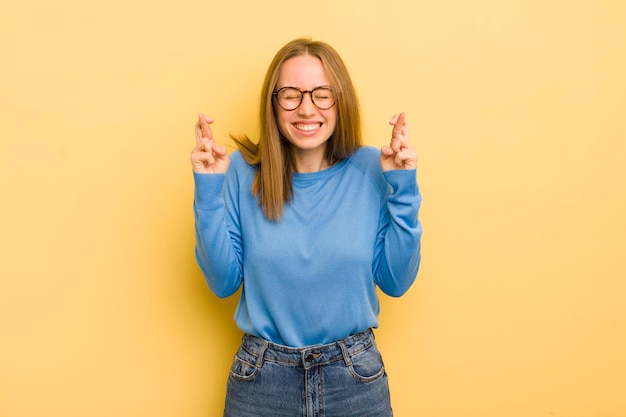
x=399 y=244
x=218 y=246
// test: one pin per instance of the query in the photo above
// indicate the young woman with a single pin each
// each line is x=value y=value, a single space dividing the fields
x=310 y=222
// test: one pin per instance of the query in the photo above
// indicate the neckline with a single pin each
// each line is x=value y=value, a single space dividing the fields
x=304 y=177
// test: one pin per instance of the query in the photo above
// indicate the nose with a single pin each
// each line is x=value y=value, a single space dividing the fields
x=306 y=106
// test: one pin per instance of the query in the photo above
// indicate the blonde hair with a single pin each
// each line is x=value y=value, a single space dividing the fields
x=272 y=155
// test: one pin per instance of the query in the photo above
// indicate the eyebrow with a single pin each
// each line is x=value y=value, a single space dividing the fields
x=298 y=88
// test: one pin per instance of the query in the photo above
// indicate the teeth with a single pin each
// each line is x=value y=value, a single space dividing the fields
x=308 y=127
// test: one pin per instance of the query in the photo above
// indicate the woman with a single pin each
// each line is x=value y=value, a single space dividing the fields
x=310 y=222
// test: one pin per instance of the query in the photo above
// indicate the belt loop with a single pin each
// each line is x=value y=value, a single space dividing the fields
x=259 y=358
x=344 y=353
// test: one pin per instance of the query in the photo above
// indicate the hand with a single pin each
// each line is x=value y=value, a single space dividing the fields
x=207 y=157
x=399 y=154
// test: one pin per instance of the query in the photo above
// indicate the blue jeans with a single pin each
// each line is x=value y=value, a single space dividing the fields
x=342 y=379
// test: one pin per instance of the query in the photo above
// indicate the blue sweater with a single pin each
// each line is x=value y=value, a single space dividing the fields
x=311 y=277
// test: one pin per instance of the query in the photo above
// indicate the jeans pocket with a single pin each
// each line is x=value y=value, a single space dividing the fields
x=244 y=366
x=367 y=365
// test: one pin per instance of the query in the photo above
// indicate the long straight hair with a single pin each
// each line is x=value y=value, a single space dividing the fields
x=272 y=155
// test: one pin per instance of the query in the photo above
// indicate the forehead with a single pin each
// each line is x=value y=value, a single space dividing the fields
x=305 y=72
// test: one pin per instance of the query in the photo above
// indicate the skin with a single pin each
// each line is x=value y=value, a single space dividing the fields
x=207 y=157
x=399 y=154
x=304 y=72
x=307 y=128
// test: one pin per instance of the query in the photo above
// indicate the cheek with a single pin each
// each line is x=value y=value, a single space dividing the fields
x=281 y=123
x=332 y=121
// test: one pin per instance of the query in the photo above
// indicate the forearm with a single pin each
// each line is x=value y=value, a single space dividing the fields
x=216 y=249
x=401 y=245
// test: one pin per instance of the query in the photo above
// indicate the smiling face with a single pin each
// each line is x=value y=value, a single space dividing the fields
x=307 y=128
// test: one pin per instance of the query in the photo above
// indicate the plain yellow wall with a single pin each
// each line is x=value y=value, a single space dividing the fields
x=517 y=109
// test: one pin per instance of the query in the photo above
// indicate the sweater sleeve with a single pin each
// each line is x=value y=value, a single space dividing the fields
x=218 y=243
x=398 y=245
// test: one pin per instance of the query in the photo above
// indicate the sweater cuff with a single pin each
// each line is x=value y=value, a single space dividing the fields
x=208 y=190
x=402 y=180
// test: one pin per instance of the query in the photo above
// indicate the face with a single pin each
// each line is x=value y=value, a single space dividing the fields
x=307 y=128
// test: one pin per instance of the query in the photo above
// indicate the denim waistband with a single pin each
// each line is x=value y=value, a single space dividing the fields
x=310 y=355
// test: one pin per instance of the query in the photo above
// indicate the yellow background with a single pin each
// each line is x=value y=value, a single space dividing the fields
x=517 y=109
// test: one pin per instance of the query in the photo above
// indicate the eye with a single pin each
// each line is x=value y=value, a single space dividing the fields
x=323 y=93
x=290 y=94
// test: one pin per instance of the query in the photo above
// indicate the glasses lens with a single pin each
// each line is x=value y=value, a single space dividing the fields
x=289 y=98
x=323 y=97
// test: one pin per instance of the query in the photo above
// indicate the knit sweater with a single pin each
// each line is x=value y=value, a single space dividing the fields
x=311 y=277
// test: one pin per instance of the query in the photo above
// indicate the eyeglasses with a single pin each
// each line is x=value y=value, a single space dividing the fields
x=290 y=98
